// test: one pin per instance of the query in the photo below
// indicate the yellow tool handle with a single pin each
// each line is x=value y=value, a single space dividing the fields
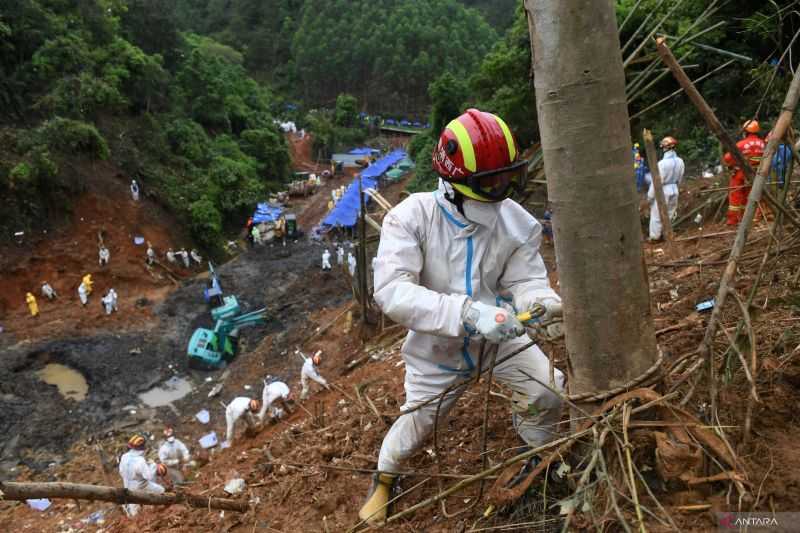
x=526 y=316
x=535 y=312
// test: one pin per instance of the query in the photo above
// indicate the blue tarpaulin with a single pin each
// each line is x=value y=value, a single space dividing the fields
x=346 y=210
x=363 y=151
x=267 y=213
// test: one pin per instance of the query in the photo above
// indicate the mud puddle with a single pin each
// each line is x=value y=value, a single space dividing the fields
x=171 y=390
x=71 y=383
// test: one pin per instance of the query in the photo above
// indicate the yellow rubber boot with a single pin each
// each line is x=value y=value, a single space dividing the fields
x=376 y=507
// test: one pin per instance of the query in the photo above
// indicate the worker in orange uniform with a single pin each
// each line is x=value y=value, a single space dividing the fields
x=752 y=148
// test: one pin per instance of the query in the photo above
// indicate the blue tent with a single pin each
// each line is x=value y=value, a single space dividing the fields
x=346 y=210
x=267 y=213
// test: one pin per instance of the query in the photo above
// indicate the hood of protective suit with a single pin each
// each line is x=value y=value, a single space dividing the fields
x=483 y=213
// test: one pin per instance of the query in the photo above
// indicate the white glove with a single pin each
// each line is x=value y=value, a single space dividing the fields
x=494 y=323
x=550 y=332
x=552 y=309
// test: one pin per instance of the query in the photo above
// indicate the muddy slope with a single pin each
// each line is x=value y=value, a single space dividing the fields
x=37 y=425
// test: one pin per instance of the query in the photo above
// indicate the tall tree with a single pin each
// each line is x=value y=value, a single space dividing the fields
x=583 y=120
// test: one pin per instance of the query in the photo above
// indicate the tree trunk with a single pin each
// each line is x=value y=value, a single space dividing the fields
x=583 y=120
x=28 y=491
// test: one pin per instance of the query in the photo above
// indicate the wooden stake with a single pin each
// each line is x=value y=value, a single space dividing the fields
x=658 y=187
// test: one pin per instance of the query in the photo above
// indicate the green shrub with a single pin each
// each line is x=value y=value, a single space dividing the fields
x=187 y=138
x=73 y=137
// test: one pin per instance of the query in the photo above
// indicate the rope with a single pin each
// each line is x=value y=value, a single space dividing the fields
x=599 y=396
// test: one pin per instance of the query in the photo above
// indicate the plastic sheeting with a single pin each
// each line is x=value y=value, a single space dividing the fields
x=366 y=150
x=346 y=210
x=267 y=213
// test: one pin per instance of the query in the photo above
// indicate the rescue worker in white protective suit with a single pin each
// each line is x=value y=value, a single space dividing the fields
x=351 y=264
x=444 y=261
x=48 y=291
x=138 y=473
x=104 y=255
x=134 y=190
x=108 y=302
x=238 y=408
x=83 y=294
x=196 y=257
x=173 y=453
x=151 y=254
x=326 y=260
x=340 y=255
x=310 y=372
x=279 y=392
x=671 y=169
x=170 y=255
x=185 y=256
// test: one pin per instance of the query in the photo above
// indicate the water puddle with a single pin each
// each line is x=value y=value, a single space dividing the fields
x=173 y=389
x=71 y=383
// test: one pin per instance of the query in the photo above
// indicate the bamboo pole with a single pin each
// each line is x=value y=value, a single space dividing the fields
x=784 y=120
x=11 y=490
x=658 y=187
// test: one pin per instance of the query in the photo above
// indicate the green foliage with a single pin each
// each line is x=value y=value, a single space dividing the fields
x=21 y=174
x=117 y=79
x=447 y=94
x=187 y=138
x=72 y=137
x=502 y=84
x=421 y=150
x=346 y=112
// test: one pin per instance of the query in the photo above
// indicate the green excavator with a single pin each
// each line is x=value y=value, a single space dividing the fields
x=213 y=349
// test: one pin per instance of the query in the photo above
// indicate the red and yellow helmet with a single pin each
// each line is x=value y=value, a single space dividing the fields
x=478 y=155
x=137 y=442
x=161 y=469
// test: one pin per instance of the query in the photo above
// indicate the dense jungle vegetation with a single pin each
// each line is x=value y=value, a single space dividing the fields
x=184 y=96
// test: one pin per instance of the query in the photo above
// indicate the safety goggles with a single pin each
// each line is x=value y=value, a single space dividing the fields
x=499 y=184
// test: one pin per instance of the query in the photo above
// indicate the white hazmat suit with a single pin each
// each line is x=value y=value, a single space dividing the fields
x=235 y=410
x=340 y=256
x=83 y=294
x=310 y=372
x=135 y=191
x=351 y=264
x=104 y=255
x=271 y=393
x=431 y=260
x=173 y=452
x=138 y=474
x=671 y=168
x=326 y=260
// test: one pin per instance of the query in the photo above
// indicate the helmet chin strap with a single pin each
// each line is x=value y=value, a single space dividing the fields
x=454 y=197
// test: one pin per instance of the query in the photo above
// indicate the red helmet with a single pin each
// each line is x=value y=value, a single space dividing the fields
x=751 y=126
x=668 y=143
x=478 y=155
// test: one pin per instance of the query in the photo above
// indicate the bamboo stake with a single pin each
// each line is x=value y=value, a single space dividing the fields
x=784 y=120
x=11 y=490
x=658 y=187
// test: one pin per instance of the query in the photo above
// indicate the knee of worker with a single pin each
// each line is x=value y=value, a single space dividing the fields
x=405 y=437
x=531 y=400
x=155 y=488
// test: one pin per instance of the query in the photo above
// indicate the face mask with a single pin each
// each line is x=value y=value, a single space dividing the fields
x=171 y=439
